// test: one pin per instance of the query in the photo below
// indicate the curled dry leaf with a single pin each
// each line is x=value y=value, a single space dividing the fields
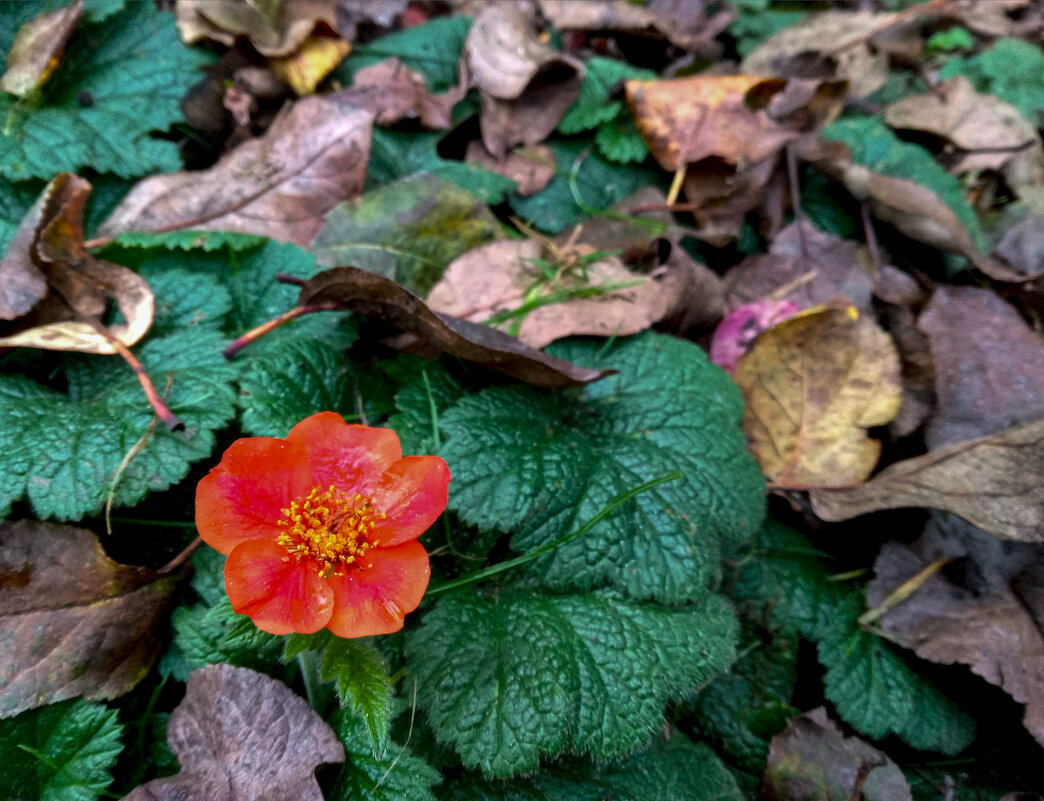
x=813 y=761
x=995 y=483
x=281 y=185
x=813 y=384
x=38 y=48
x=988 y=131
x=362 y=291
x=744 y=324
x=525 y=87
x=274 y=27
x=242 y=736
x=315 y=58
x=996 y=633
x=394 y=92
x=531 y=168
x=684 y=23
x=1023 y=19
x=988 y=373
x=831 y=44
x=72 y=621
x=56 y=291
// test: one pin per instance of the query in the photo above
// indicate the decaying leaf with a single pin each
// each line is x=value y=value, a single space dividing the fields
x=743 y=325
x=684 y=24
x=988 y=374
x=996 y=632
x=281 y=185
x=995 y=483
x=275 y=27
x=242 y=736
x=363 y=291
x=67 y=314
x=315 y=58
x=525 y=87
x=831 y=44
x=813 y=761
x=72 y=621
x=813 y=384
x=531 y=168
x=394 y=92
x=987 y=131
x=38 y=48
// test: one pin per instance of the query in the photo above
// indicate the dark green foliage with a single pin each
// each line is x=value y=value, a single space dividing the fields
x=1011 y=69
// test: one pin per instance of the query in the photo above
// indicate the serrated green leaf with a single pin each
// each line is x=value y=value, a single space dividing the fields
x=1011 y=69
x=397 y=154
x=15 y=200
x=97 y=111
x=620 y=141
x=584 y=184
x=396 y=776
x=593 y=105
x=432 y=49
x=61 y=752
x=510 y=679
x=217 y=635
x=408 y=230
x=189 y=240
x=208 y=575
x=874 y=145
x=363 y=685
x=956 y=38
x=678 y=770
x=420 y=402
x=539 y=465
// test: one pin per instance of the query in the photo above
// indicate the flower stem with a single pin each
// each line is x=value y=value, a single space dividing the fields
x=529 y=556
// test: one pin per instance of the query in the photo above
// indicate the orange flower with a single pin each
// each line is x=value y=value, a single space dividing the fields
x=320 y=529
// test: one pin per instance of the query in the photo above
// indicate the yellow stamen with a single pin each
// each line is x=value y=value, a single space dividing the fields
x=330 y=528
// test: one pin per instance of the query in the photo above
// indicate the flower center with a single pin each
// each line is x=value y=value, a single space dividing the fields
x=332 y=528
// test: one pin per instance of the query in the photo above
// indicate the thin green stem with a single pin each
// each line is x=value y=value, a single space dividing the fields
x=529 y=556
x=309 y=664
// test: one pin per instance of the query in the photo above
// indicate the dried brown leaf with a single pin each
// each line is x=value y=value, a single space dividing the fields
x=532 y=168
x=525 y=87
x=274 y=27
x=281 y=185
x=813 y=761
x=38 y=48
x=368 y=293
x=72 y=621
x=242 y=736
x=813 y=384
x=394 y=92
x=995 y=483
x=988 y=374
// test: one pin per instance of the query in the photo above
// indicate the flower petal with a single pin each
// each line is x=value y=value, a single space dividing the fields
x=279 y=596
x=242 y=498
x=375 y=600
x=413 y=493
x=351 y=457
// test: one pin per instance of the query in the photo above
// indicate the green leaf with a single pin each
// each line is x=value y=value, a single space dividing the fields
x=956 y=38
x=594 y=106
x=397 y=154
x=432 y=49
x=1011 y=69
x=363 y=685
x=396 y=776
x=61 y=752
x=509 y=679
x=420 y=402
x=584 y=184
x=217 y=635
x=15 y=200
x=678 y=770
x=189 y=240
x=874 y=145
x=408 y=230
x=539 y=465
x=118 y=81
x=620 y=141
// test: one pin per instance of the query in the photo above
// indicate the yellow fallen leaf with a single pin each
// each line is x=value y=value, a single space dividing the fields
x=813 y=384
x=306 y=67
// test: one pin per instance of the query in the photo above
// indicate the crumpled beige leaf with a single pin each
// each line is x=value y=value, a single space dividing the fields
x=525 y=87
x=813 y=384
x=274 y=27
x=72 y=621
x=827 y=44
x=280 y=185
x=38 y=48
x=995 y=483
x=394 y=92
x=66 y=315
x=991 y=131
x=242 y=736
x=995 y=632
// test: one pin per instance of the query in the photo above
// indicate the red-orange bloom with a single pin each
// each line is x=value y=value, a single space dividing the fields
x=320 y=528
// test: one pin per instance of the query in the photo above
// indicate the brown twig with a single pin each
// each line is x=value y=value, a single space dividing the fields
x=266 y=328
x=871 y=236
x=286 y=278
x=795 y=199
x=174 y=423
x=181 y=558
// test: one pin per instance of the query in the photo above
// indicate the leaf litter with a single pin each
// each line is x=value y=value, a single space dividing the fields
x=388 y=210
